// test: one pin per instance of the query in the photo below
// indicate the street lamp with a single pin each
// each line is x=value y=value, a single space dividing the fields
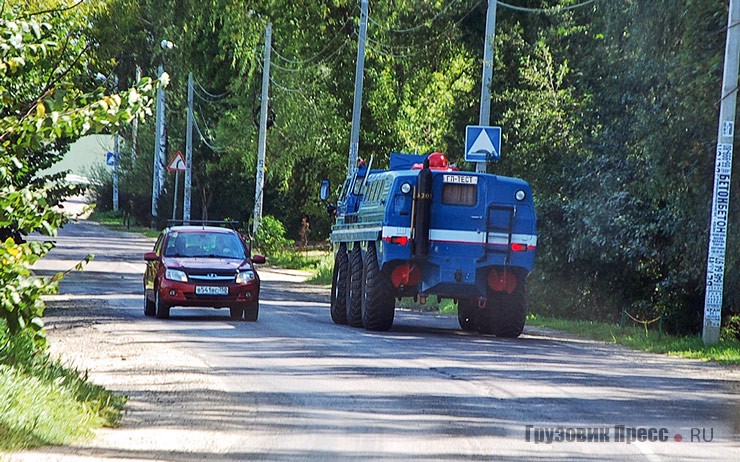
x=159 y=141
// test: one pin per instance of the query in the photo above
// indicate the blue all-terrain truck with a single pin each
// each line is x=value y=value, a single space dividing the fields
x=424 y=228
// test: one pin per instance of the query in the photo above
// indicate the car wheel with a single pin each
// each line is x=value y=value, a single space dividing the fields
x=251 y=311
x=161 y=309
x=236 y=313
x=148 y=306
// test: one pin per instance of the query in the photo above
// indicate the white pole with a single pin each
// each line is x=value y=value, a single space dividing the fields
x=354 y=141
x=162 y=146
x=722 y=174
x=157 y=142
x=188 y=153
x=135 y=130
x=116 y=159
x=262 y=143
x=486 y=82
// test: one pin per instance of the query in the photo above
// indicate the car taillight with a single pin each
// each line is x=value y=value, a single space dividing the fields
x=519 y=247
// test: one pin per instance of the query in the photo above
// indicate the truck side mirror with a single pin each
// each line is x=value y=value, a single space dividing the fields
x=325 y=190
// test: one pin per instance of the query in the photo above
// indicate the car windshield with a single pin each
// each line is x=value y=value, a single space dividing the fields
x=204 y=245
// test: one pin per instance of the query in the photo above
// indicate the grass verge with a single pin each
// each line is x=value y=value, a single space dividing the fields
x=727 y=351
x=114 y=221
x=42 y=402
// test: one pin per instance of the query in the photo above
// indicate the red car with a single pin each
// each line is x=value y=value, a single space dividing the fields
x=201 y=266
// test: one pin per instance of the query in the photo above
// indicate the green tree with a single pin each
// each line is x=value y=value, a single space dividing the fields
x=49 y=99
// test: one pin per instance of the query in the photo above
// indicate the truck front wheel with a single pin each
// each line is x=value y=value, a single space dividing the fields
x=339 y=286
x=378 y=303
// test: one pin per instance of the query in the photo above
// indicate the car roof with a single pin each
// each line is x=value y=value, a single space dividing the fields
x=193 y=229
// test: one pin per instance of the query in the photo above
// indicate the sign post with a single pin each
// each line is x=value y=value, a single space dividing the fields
x=177 y=165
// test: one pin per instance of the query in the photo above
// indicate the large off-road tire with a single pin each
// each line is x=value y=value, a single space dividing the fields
x=148 y=306
x=252 y=311
x=510 y=315
x=378 y=301
x=467 y=312
x=354 y=287
x=505 y=314
x=338 y=305
x=236 y=313
x=161 y=309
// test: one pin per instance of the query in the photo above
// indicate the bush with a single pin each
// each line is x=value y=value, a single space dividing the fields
x=270 y=237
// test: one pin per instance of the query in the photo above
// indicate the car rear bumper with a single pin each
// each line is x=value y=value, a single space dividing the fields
x=183 y=294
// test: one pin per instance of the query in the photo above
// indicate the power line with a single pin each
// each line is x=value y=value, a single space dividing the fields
x=315 y=65
x=208 y=94
x=440 y=36
x=286 y=89
x=319 y=53
x=558 y=9
x=203 y=137
x=415 y=28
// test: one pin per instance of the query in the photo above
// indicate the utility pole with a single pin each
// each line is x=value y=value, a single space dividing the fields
x=116 y=156
x=354 y=141
x=722 y=174
x=160 y=157
x=262 y=143
x=158 y=149
x=117 y=159
x=188 y=153
x=135 y=129
x=486 y=82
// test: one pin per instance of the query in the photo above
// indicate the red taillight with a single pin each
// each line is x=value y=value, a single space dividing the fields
x=519 y=247
x=400 y=240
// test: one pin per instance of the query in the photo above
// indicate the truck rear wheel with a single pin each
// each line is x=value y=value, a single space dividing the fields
x=354 y=287
x=466 y=314
x=339 y=286
x=506 y=313
x=378 y=303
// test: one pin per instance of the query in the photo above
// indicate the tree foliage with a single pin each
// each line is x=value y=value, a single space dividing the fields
x=609 y=110
x=49 y=98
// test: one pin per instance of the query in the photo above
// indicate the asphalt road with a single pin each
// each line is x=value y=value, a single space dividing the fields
x=294 y=386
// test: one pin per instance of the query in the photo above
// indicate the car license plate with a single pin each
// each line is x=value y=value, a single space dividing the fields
x=211 y=290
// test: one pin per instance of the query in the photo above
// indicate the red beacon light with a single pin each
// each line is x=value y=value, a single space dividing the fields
x=437 y=161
